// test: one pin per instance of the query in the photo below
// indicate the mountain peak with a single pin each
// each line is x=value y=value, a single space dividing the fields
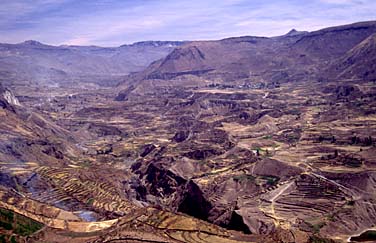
x=32 y=43
x=295 y=32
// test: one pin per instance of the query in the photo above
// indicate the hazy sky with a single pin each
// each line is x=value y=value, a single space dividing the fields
x=116 y=22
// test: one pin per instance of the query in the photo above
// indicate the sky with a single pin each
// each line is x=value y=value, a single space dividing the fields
x=118 y=22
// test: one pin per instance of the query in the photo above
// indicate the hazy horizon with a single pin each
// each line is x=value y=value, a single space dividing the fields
x=113 y=23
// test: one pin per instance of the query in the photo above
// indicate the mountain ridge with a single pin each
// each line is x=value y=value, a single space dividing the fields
x=245 y=54
x=53 y=65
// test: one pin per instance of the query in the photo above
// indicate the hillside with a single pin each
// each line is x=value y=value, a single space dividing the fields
x=359 y=62
x=302 y=55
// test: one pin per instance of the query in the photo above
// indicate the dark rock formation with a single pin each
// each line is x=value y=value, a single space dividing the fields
x=193 y=202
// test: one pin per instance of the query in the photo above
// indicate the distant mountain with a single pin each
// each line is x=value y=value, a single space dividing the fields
x=295 y=32
x=32 y=60
x=156 y=43
x=293 y=56
x=333 y=42
x=32 y=43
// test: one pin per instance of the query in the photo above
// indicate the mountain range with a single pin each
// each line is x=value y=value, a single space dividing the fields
x=33 y=61
x=302 y=56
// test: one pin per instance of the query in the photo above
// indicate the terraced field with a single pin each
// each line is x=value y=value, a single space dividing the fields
x=278 y=149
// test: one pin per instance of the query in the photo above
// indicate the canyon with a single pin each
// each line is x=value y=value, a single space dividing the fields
x=244 y=139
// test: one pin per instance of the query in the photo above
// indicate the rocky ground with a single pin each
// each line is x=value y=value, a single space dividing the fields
x=179 y=154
